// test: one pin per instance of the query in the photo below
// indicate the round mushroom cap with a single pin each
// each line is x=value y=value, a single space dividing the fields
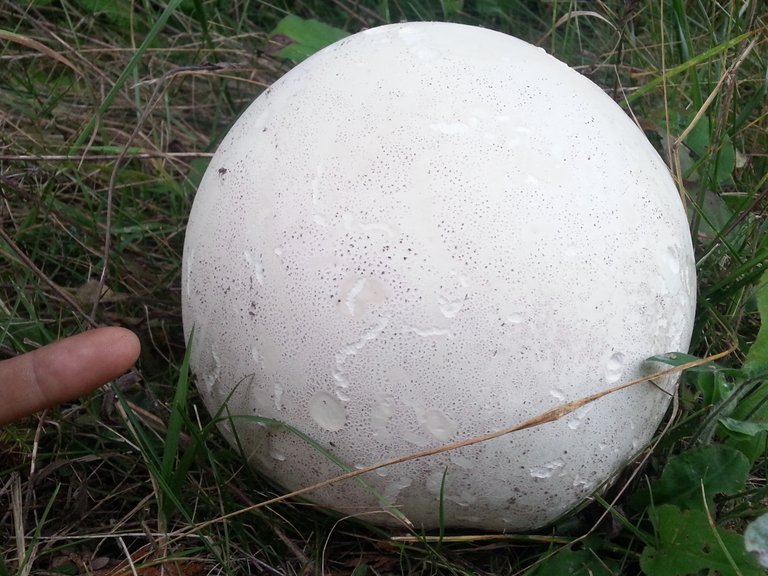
x=427 y=232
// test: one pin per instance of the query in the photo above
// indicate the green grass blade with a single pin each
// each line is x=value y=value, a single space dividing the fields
x=686 y=48
x=441 y=515
x=757 y=357
x=343 y=466
x=684 y=67
x=177 y=417
x=157 y=27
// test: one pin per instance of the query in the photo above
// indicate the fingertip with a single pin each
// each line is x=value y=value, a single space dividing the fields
x=65 y=370
x=124 y=345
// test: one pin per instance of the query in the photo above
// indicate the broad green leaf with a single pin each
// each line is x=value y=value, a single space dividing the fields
x=712 y=384
x=757 y=357
x=578 y=563
x=673 y=358
x=756 y=539
x=301 y=38
x=688 y=544
x=196 y=172
x=715 y=212
x=745 y=427
x=720 y=469
x=700 y=142
x=753 y=407
x=753 y=446
x=709 y=379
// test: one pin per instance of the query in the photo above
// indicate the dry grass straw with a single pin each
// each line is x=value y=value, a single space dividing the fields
x=544 y=418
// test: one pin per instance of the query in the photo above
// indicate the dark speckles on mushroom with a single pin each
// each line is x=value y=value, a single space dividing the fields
x=443 y=232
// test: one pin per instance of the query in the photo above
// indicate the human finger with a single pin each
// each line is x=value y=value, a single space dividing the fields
x=64 y=370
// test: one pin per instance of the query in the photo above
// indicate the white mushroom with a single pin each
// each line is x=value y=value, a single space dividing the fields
x=427 y=232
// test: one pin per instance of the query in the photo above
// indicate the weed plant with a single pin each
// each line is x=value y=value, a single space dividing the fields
x=109 y=112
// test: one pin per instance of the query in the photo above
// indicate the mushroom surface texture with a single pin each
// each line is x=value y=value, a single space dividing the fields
x=423 y=233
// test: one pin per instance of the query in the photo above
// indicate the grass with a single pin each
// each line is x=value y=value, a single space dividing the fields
x=110 y=111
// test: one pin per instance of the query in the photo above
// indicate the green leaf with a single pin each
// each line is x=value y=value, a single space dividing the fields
x=699 y=141
x=712 y=383
x=578 y=563
x=673 y=358
x=753 y=407
x=715 y=213
x=744 y=427
x=689 y=544
x=720 y=469
x=300 y=38
x=118 y=12
x=451 y=7
x=709 y=379
x=757 y=357
x=197 y=168
x=360 y=570
x=756 y=540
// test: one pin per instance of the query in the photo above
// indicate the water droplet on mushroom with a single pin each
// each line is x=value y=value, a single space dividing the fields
x=579 y=416
x=464 y=499
x=353 y=224
x=190 y=260
x=449 y=127
x=582 y=484
x=515 y=318
x=316 y=183
x=462 y=462
x=671 y=260
x=255 y=265
x=381 y=414
x=450 y=308
x=354 y=292
x=614 y=367
x=211 y=376
x=431 y=332
x=414 y=438
x=327 y=411
x=440 y=425
x=340 y=372
x=358 y=294
x=425 y=53
x=669 y=266
x=434 y=482
x=278 y=390
x=276 y=454
x=547 y=470
x=558 y=394
x=393 y=489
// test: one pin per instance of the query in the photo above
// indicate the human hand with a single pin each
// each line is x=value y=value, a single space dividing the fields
x=64 y=370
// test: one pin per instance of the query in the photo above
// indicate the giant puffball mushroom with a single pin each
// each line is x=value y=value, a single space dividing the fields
x=427 y=232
